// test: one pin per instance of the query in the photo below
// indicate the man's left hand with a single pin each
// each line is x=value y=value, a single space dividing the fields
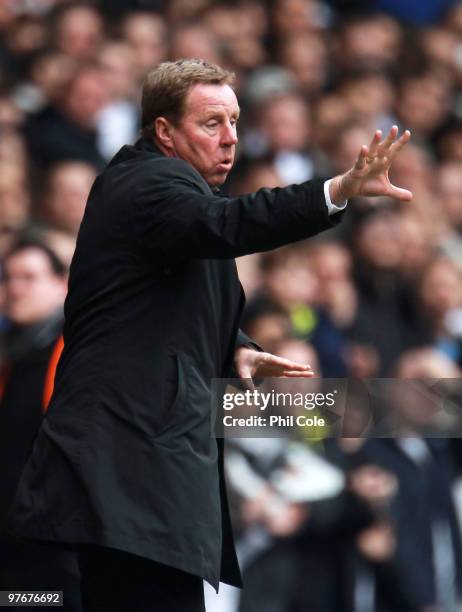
x=249 y=363
x=369 y=175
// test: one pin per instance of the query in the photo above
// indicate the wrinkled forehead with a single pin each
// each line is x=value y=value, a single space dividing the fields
x=205 y=98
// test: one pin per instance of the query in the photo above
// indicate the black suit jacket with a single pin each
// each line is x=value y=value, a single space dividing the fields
x=125 y=457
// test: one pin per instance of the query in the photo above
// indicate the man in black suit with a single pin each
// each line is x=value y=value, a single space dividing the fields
x=125 y=465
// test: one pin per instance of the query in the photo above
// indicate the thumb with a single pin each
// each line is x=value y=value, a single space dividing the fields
x=361 y=160
x=400 y=194
x=245 y=375
x=244 y=370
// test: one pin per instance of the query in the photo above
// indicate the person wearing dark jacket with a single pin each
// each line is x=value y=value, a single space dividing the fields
x=125 y=465
x=34 y=286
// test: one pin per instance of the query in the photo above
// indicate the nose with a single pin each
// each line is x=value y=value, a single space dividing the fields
x=229 y=134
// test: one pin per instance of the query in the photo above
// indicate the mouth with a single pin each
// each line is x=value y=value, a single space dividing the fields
x=226 y=164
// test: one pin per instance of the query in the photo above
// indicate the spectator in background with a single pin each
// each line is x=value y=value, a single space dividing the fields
x=331 y=115
x=185 y=10
x=370 y=96
x=13 y=153
x=440 y=49
x=423 y=102
x=306 y=56
x=49 y=73
x=26 y=35
x=118 y=121
x=239 y=28
x=11 y=116
x=268 y=324
x=448 y=140
x=15 y=195
x=67 y=187
x=146 y=33
x=35 y=283
x=384 y=316
x=194 y=40
x=411 y=559
x=448 y=202
x=368 y=41
x=348 y=138
x=14 y=203
x=373 y=547
x=290 y=285
x=337 y=295
x=257 y=175
x=425 y=569
x=78 y=31
x=417 y=166
x=67 y=129
x=285 y=127
x=449 y=186
x=298 y=17
x=440 y=293
x=418 y=245
x=249 y=273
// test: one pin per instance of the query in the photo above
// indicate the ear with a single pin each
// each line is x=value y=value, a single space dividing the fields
x=163 y=131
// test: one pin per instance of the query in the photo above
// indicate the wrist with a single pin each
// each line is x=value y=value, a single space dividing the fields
x=338 y=193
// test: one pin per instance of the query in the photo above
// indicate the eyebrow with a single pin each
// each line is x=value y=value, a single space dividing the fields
x=210 y=114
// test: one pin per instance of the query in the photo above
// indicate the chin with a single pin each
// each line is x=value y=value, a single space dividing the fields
x=217 y=180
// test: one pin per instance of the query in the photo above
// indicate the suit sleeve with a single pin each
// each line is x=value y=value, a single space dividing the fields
x=244 y=340
x=176 y=216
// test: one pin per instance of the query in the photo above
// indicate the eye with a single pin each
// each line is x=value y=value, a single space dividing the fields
x=211 y=124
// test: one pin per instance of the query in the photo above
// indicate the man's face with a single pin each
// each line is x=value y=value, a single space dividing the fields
x=32 y=291
x=206 y=135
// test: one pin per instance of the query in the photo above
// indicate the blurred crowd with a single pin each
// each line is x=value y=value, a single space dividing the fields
x=361 y=526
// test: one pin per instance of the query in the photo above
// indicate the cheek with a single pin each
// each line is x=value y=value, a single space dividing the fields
x=206 y=152
x=201 y=144
x=199 y=150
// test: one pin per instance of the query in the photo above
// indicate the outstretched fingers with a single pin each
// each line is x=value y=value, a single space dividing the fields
x=384 y=147
x=273 y=361
x=298 y=374
x=274 y=366
x=369 y=176
x=399 y=144
x=375 y=142
x=362 y=158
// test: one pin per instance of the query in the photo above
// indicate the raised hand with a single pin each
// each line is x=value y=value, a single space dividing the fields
x=369 y=175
